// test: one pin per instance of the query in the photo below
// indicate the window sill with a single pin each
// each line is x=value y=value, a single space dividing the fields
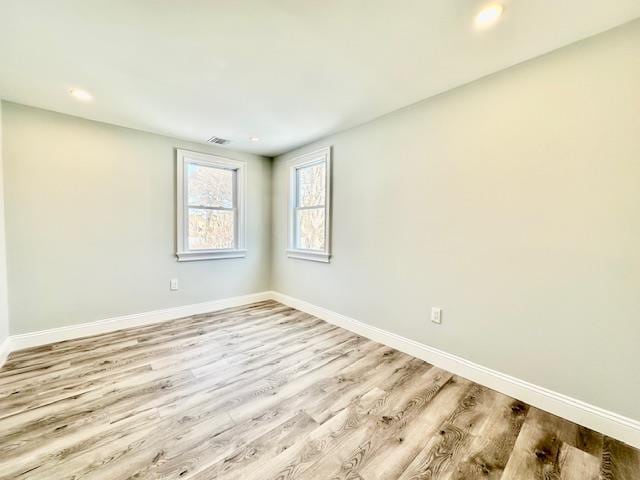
x=210 y=255
x=309 y=255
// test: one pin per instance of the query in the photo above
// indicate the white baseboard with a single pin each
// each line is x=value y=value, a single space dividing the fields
x=5 y=349
x=43 y=337
x=577 y=411
x=599 y=419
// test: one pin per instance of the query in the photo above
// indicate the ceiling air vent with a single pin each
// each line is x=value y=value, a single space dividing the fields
x=218 y=140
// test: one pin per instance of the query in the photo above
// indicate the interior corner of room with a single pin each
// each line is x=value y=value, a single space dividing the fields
x=489 y=229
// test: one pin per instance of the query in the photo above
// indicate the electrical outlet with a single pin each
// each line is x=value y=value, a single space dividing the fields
x=173 y=285
x=436 y=315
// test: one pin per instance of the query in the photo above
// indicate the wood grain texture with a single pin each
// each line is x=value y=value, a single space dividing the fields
x=267 y=392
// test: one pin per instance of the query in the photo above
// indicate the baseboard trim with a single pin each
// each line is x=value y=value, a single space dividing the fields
x=5 y=349
x=577 y=411
x=582 y=413
x=43 y=337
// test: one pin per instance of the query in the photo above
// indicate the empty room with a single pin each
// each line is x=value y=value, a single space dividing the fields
x=302 y=240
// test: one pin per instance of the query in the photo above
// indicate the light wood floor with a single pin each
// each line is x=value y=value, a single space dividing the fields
x=267 y=392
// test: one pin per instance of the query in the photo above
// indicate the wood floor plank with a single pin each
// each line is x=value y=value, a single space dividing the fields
x=175 y=408
x=325 y=439
x=439 y=458
x=197 y=442
x=619 y=461
x=264 y=391
x=407 y=397
x=490 y=448
x=388 y=369
x=403 y=447
x=81 y=401
x=541 y=451
x=243 y=452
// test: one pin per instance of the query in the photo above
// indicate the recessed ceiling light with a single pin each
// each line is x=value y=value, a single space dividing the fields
x=254 y=139
x=81 y=95
x=489 y=15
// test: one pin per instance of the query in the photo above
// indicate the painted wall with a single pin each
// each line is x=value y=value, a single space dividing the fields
x=4 y=300
x=90 y=219
x=514 y=204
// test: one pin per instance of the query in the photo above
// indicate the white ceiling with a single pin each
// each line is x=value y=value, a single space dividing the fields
x=287 y=71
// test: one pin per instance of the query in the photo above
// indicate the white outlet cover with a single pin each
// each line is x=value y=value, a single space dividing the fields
x=436 y=315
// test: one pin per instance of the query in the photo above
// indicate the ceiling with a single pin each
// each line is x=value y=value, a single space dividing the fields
x=286 y=71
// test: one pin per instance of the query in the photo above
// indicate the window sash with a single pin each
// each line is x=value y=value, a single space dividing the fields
x=297 y=233
x=234 y=185
x=228 y=219
x=297 y=180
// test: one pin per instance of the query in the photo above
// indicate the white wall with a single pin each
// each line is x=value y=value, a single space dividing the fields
x=4 y=301
x=90 y=217
x=514 y=204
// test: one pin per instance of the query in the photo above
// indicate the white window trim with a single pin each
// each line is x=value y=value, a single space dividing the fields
x=323 y=154
x=183 y=159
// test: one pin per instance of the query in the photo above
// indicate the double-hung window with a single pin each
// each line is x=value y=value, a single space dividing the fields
x=210 y=207
x=310 y=206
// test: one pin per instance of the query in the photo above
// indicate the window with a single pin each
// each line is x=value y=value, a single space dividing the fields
x=310 y=206
x=210 y=207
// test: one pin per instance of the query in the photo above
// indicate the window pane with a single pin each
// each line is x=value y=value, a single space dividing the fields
x=210 y=186
x=211 y=229
x=311 y=185
x=310 y=228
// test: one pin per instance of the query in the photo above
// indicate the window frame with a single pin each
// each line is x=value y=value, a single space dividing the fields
x=184 y=158
x=295 y=164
